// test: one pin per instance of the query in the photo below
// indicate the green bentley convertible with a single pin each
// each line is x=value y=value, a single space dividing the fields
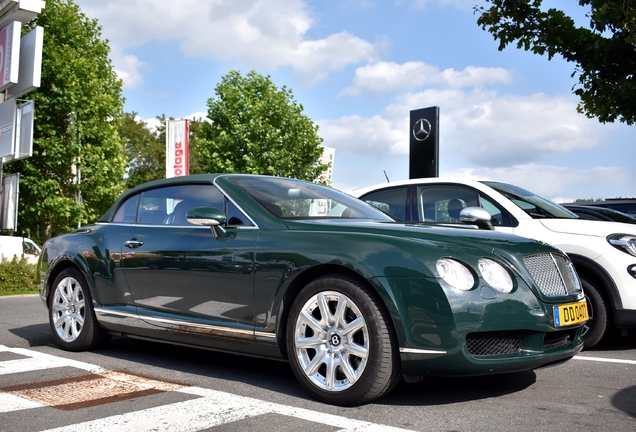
x=286 y=269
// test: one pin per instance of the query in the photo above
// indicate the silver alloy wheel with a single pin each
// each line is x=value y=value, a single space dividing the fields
x=68 y=309
x=332 y=341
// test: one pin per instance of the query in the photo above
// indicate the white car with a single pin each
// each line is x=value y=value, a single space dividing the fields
x=19 y=246
x=603 y=253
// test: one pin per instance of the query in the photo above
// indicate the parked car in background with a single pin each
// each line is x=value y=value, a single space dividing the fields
x=281 y=268
x=599 y=213
x=603 y=253
x=11 y=246
x=625 y=205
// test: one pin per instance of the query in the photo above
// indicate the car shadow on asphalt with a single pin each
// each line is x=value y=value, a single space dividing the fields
x=34 y=335
x=277 y=376
x=624 y=401
x=449 y=390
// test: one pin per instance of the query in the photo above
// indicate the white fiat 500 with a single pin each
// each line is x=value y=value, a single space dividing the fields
x=603 y=253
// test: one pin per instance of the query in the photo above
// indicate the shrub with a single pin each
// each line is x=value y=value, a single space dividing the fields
x=17 y=276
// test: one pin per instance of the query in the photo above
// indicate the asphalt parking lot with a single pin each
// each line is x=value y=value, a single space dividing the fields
x=176 y=388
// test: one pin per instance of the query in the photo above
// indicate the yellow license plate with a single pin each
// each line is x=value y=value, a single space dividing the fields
x=570 y=314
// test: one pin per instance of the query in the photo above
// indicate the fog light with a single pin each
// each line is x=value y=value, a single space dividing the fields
x=632 y=270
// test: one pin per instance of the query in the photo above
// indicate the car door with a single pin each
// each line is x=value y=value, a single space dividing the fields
x=182 y=277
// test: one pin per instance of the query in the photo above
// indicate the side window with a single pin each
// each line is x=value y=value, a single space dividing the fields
x=443 y=203
x=587 y=216
x=500 y=217
x=127 y=213
x=28 y=248
x=391 y=201
x=235 y=217
x=170 y=205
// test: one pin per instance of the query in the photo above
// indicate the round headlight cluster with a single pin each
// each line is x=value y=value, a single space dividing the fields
x=495 y=275
x=455 y=274
x=460 y=277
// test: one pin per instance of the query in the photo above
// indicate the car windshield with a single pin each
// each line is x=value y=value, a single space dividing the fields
x=534 y=205
x=296 y=199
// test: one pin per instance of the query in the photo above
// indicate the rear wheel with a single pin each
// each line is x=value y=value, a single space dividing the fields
x=340 y=346
x=71 y=315
x=598 y=325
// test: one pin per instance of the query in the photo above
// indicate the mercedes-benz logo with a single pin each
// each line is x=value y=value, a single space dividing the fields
x=422 y=129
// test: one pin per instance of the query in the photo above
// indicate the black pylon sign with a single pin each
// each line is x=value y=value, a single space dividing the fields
x=424 y=143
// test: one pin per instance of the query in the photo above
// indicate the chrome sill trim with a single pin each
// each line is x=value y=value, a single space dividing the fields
x=200 y=326
x=114 y=312
x=265 y=335
x=211 y=328
x=420 y=351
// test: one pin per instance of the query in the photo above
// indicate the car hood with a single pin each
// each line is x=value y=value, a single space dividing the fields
x=588 y=227
x=448 y=237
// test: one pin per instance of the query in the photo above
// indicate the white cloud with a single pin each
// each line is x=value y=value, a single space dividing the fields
x=129 y=69
x=478 y=128
x=388 y=77
x=259 y=33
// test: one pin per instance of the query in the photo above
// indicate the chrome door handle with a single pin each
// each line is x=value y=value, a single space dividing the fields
x=134 y=243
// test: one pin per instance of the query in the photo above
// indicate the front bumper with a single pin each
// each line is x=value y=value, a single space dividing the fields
x=445 y=332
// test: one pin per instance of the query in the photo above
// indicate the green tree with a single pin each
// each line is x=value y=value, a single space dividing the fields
x=77 y=110
x=257 y=128
x=604 y=52
x=145 y=150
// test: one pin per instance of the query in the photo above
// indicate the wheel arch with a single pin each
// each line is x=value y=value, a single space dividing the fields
x=310 y=275
x=587 y=268
x=61 y=264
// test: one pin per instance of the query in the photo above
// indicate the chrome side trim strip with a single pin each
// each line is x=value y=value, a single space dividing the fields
x=265 y=335
x=211 y=329
x=115 y=312
x=421 y=351
x=208 y=327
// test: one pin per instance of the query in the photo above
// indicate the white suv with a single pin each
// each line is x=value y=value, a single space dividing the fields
x=604 y=253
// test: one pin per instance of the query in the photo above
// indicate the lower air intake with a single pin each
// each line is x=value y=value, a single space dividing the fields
x=493 y=344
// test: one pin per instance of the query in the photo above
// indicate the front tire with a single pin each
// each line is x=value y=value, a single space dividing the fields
x=340 y=345
x=71 y=315
x=598 y=325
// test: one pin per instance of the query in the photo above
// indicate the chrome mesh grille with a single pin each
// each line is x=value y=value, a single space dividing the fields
x=492 y=344
x=553 y=274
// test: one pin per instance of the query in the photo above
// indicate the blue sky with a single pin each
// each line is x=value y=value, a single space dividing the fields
x=359 y=66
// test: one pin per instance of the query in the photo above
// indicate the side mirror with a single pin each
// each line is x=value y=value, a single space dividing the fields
x=477 y=216
x=209 y=216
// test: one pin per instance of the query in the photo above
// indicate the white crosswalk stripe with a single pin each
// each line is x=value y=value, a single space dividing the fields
x=211 y=408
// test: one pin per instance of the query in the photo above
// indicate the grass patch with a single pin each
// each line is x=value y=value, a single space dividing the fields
x=17 y=276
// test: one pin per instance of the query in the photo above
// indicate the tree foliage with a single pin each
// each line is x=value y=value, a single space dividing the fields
x=77 y=110
x=145 y=150
x=257 y=128
x=604 y=52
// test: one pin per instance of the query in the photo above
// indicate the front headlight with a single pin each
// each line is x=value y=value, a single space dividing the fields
x=455 y=274
x=623 y=242
x=495 y=275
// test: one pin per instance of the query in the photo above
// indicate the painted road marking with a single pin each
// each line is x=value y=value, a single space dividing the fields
x=211 y=408
x=606 y=360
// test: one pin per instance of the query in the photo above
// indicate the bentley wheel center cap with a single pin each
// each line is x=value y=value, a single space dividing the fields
x=335 y=340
